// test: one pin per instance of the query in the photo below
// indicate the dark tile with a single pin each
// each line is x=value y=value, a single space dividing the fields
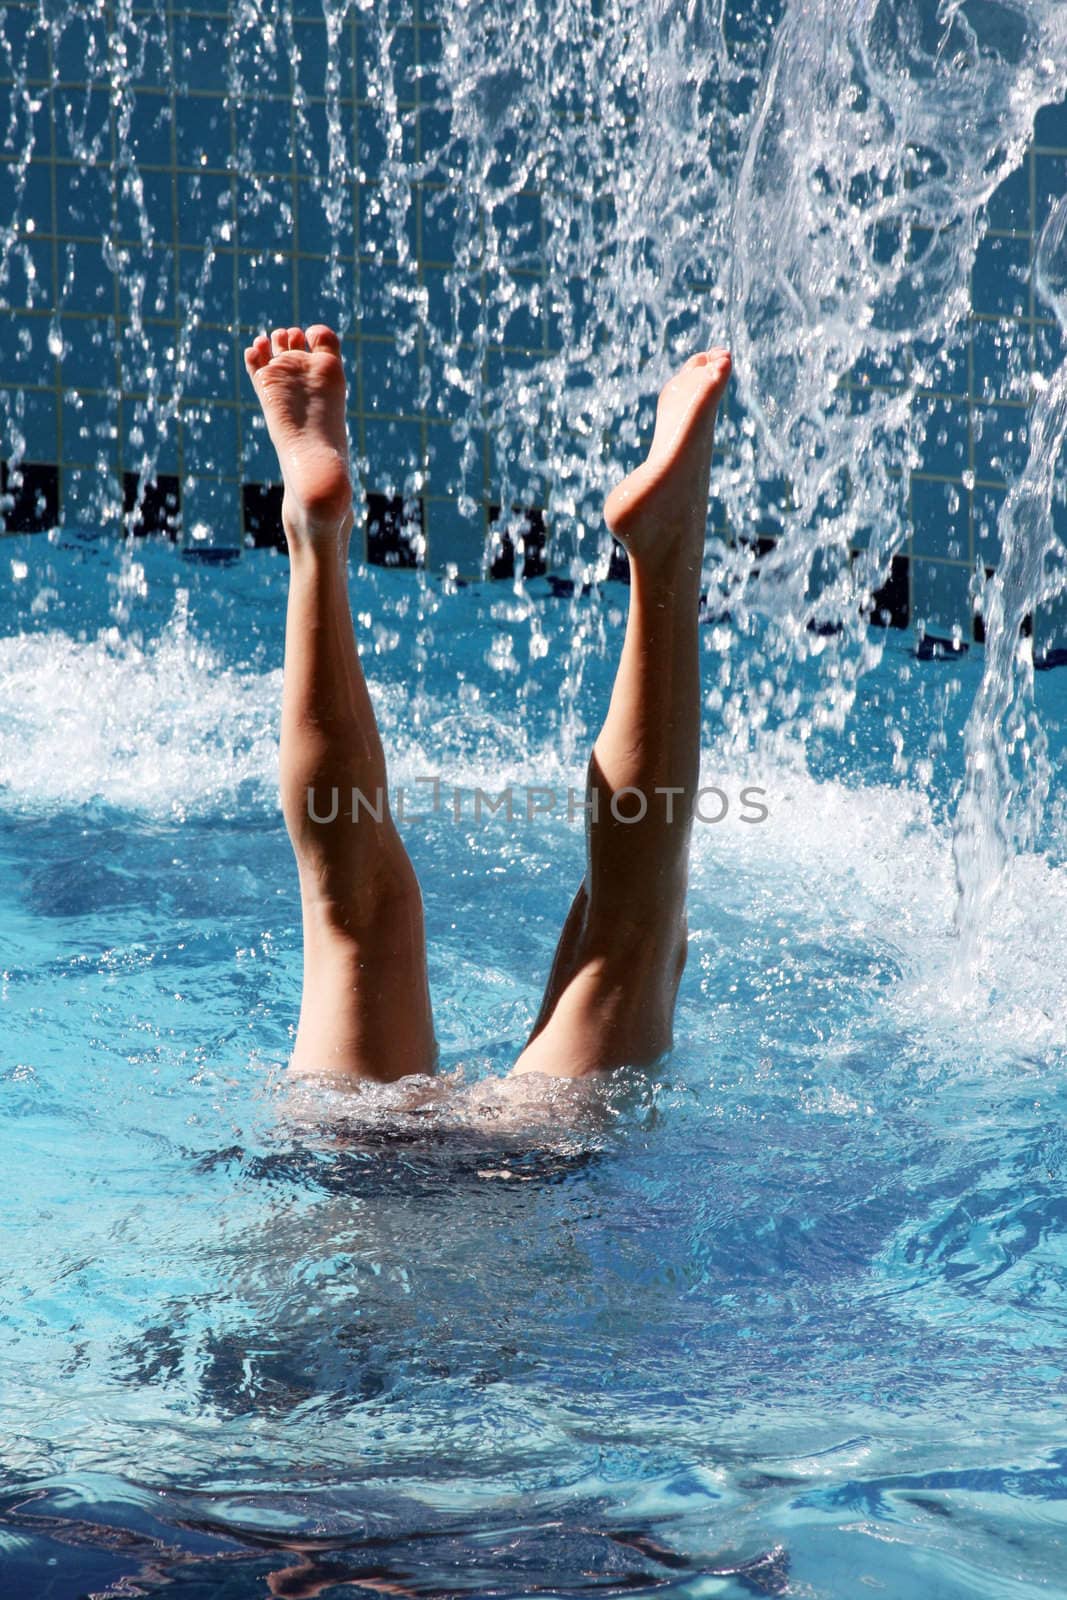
x=212 y=555
x=758 y=546
x=533 y=534
x=932 y=647
x=392 y=525
x=619 y=566
x=29 y=497
x=891 y=604
x=159 y=508
x=261 y=504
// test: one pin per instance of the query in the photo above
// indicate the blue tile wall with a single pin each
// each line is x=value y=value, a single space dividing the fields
x=212 y=255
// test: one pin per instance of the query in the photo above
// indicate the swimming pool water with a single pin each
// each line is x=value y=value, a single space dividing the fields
x=787 y=1319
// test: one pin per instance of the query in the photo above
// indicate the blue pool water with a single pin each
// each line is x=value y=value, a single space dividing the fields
x=788 y=1319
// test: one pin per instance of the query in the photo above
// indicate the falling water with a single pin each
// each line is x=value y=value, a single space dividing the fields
x=548 y=205
x=1007 y=771
x=880 y=133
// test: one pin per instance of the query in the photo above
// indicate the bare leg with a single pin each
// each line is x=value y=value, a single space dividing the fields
x=610 y=996
x=365 y=1011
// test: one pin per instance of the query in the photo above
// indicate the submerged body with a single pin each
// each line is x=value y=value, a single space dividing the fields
x=366 y=1011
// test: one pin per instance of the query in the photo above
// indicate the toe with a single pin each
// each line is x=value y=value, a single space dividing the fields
x=257 y=355
x=716 y=357
x=720 y=364
x=279 y=341
x=296 y=339
x=320 y=337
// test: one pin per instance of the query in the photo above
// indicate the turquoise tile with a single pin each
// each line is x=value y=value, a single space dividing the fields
x=211 y=513
x=37 y=424
x=439 y=224
x=1000 y=279
x=446 y=455
x=145 y=204
x=83 y=197
x=82 y=123
x=79 y=45
x=149 y=356
x=263 y=131
x=1001 y=437
x=26 y=195
x=24 y=352
x=26 y=34
x=325 y=297
x=325 y=217
x=1003 y=359
x=943 y=368
x=207 y=290
x=210 y=371
x=205 y=203
x=939 y=597
x=940 y=519
x=90 y=428
x=265 y=291
x=1049 y=348
x=151 y=127
x=200 y=51
x=393 y=454
x=259 y=464
x=90 y=498
x=390 y=380
x=202 y=131
x=1050 y=127
x=941 y=436
x=309 y=35
x=455 y=540
x=86 y=282
x=209 y=439
x=454 y=304
x=89 y=353
x=144 y=437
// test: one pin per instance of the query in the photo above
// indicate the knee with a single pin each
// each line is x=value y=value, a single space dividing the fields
x=375 y=904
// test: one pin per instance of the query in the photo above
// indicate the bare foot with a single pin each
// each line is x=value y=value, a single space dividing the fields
x=301 y=387
x=667 y=495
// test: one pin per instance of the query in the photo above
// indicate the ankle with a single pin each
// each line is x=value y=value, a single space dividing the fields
x=669 y=575
x=325 y=517
x=316 y=538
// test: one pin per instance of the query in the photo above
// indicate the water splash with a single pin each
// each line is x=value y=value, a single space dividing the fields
x=881 y=133
x=1007 y=767
x=540 y=207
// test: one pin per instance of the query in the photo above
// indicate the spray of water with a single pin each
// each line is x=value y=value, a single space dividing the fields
x=1007 y=767
x=546 y=203
x=880 y=134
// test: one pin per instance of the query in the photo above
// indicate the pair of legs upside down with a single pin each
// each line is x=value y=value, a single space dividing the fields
x=365 y=1011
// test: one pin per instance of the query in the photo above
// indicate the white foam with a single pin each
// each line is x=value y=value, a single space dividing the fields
x=871 y=865
x=170 y=730
x=167 y=730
